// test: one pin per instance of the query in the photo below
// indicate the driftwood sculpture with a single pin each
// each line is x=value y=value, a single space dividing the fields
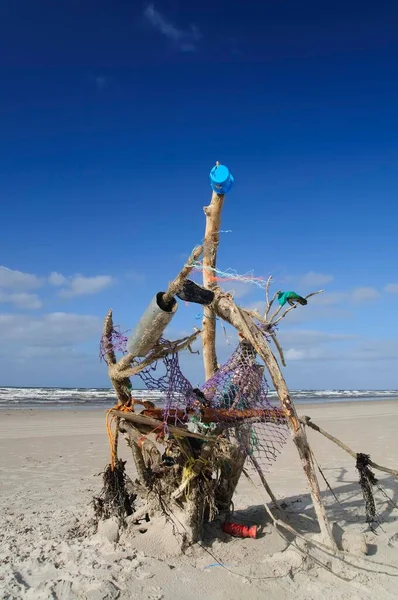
x=190 y=452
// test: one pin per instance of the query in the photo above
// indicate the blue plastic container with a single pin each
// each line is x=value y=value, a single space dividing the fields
x=221 y=180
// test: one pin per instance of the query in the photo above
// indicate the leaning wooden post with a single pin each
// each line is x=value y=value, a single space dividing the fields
x=221 y=182
x=226 y=308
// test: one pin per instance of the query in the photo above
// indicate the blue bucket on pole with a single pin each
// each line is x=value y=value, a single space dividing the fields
x=221 y=180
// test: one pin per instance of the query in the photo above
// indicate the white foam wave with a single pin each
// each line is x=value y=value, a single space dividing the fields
x=95 y=397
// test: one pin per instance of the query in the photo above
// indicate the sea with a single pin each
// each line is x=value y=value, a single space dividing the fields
x=90 y=398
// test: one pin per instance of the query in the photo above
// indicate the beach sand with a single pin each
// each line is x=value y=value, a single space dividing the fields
x=50 y=466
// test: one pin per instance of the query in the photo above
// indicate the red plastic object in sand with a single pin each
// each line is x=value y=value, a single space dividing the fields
x=240 y=530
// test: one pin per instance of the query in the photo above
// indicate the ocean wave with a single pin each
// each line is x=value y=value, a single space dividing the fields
x=12 y=397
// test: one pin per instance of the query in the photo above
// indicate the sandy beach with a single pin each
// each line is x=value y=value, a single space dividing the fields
x=50 y=465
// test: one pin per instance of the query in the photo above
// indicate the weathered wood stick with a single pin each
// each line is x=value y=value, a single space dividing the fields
x=150 y=452
x=110 y=357
x=130 y=435
x=123 y=369
x=176 y=285
x=307 y=421
x=211 y=242
x=155 y=424
x=264 y=482
x=120 y=384
x=276 y=321
x=229 y=417
x=279 y=348
x=226 y=308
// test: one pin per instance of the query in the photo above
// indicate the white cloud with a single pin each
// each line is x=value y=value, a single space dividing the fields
x=362 y=352
x=55 y=349
x=185 y=39
x=57 y=279
x=50 y=330
x=354 y=296
x=21 y=300
x=312 y=279
x=308 y=344
x=391 y=288
x=17 y=280
x=299 y=338
x=309 y=281
x=328 y=298
x=363 y=294
x=79 y=285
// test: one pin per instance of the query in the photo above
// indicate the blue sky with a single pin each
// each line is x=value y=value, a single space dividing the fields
x=112 y=114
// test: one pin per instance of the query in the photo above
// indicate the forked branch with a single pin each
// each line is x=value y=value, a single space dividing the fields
x=275 y=321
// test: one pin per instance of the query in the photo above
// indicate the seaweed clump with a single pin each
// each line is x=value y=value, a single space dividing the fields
x=114 y=500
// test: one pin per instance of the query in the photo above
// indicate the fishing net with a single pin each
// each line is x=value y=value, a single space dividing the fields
x=234 y=401
x=165 y=376
x=116 y=343
x=238 y=394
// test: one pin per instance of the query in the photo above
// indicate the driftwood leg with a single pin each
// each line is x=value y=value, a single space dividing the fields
x=230 y=312
x=140 y=444
x=265 y=483
x=307 y=421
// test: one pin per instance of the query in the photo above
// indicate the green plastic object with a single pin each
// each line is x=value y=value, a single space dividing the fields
x=291 y=297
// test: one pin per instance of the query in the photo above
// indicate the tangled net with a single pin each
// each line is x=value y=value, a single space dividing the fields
x=117 y=343
x=234 y=401
x=239 y=387
x=175 y=387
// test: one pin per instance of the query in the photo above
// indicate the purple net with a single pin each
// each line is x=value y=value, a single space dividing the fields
x=239 y=387
x=118 y=343
x=177 y=391
x=235 y=398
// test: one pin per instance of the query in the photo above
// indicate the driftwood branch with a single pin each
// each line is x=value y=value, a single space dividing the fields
x=121 y=384
x=153 y=424
x=226 y=308
x=269 y=306
x=122 y=369
x=131 y=436
x=149 y=451
x=264 y=482
x=274 y=321
x=279 y=348
x=176 y=285
x=307 y=421
x=211 y=242
x=267 y=286
x=110 y=357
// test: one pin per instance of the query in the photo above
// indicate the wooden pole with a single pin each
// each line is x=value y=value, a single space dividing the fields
x=307 y=421
x=211 y=242
x=226 y=308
